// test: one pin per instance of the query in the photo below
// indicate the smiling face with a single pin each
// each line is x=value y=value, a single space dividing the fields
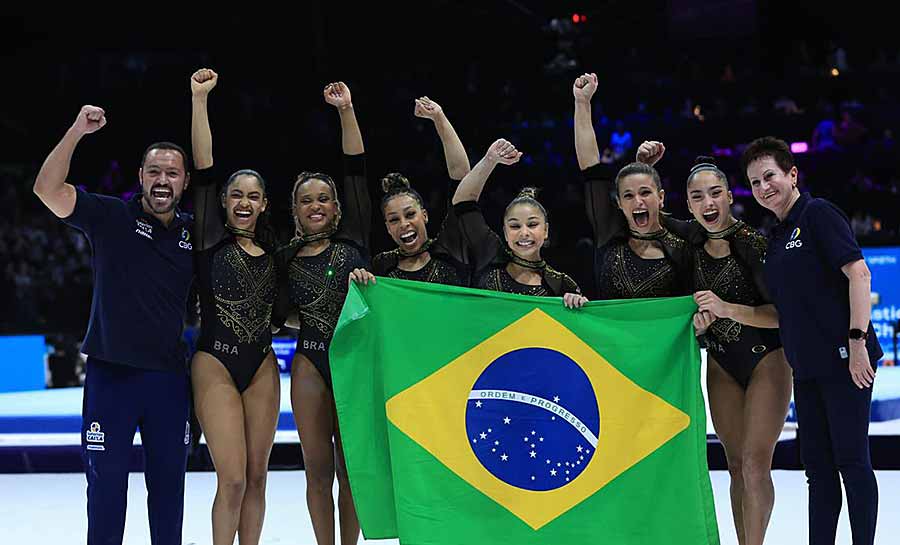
x=709 y=200
x=405 y=220
x=641 y=202
x=315 y=207
x=772 y=187
x=526 y=229
x=163 y=180
x=244 y=200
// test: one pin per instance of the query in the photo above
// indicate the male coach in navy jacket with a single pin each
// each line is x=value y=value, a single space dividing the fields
x=136 y=371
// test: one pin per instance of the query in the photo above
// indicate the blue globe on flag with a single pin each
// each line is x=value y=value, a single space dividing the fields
x=532 y=419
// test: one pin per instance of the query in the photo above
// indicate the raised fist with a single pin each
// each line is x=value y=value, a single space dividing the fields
x=203 y=81
x=90 y=119
x=427 y=108
x=503 y=152
x=650 y=152
x=338 y=95
x=584 y=87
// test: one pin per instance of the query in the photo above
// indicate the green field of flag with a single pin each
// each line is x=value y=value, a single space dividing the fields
x=478 y=417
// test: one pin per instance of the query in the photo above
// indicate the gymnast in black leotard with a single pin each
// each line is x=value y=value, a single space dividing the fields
x=234 y=373
x=515 y=266
x=636 y=252
x=236 y=288
x=332 y=240
x=748 y=377
x=439 y=260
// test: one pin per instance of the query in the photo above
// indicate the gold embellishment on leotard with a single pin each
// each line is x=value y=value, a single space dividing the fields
x=728 y=279
x=627 y=282
x=327 y=291
x=754 y=239
x=726 y=330
x=434 y=272
x=245 y=309
x=499 y=279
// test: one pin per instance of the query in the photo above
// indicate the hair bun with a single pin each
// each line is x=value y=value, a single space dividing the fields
x=394 y=181
x=528 y=193
x=705 y=160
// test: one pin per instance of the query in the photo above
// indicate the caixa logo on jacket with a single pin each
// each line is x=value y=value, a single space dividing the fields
x=185 y=241
x=795 y=241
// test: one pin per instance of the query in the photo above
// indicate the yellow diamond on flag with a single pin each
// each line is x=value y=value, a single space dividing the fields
x=633 y=423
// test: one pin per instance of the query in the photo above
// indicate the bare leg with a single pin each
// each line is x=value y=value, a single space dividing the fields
x=726 y=405
x=765 y=407
x=221 y=414
x=346 y=510
x=261 y=407
x=314 y=414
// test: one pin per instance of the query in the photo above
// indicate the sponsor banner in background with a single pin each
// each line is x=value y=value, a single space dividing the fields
x=885 y=266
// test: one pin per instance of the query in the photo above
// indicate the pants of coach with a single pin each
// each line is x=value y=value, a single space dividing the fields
x=118 y=400
x=833 y=428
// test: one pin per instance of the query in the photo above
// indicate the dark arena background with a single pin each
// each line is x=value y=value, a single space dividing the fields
x=705 y=78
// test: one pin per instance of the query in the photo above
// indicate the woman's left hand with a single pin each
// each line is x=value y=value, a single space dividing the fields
x=860 y=367
x=574 y=300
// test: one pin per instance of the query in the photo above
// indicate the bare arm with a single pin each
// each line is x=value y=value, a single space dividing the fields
x=586 y=149
x=202 y=82
x=763 y=316
x=454 y=153
x=50 y=185
x=857 y=272
x=472 y=184
x=338 y=95
x=860 y=278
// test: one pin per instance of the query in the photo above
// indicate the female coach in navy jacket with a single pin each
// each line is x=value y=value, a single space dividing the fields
x=820 y=285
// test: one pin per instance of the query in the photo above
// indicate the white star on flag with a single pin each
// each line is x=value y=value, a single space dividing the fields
x=483 y=435
x=579 y=449
x=556 y=399
x=533 y=454
x=553 y=473
x=478 y=404
x=503 y=457
x=506 y=420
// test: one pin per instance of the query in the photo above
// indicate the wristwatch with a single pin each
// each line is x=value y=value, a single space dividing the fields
x=858 y=334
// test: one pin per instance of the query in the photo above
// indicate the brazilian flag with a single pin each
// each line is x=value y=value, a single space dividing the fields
x=470 y=416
